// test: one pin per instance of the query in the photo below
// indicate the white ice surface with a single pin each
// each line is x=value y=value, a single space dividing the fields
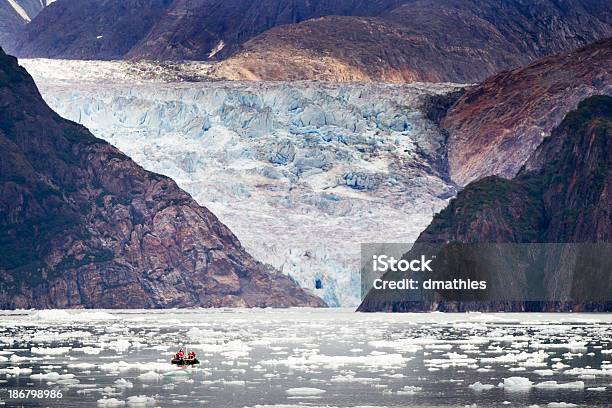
x=302 y=173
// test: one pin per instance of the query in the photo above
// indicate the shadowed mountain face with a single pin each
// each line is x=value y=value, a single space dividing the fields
x=169 y=29
x=449 y=40
x=81 y=225
x=496 y=125
x=213 y=29
x=338 y=40
x=561 y=195
x=14 y=15
x=89 y=29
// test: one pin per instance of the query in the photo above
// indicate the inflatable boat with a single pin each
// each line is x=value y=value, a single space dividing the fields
x=185 y=361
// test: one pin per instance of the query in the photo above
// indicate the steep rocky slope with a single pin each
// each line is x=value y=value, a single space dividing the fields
x=169 y=29
x=229 y=23
x=496 y=125
x=89 y=29
x=301 y=172
x=562 y=195
x=82 y=225
x=389 y=40
x=14 y=15
x=448 y=41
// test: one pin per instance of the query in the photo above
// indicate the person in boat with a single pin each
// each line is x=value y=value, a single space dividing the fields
x=180 y=355
x=191 y=355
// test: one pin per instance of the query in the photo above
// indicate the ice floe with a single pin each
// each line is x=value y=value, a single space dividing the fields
x=304 y=391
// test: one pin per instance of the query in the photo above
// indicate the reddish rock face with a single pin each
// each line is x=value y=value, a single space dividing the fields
x=82 y=225
x=495 y=126
x=441 y=41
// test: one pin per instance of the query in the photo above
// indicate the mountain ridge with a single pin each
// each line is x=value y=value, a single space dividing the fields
x=496 y=125
x=413 y=42
x=348 y=40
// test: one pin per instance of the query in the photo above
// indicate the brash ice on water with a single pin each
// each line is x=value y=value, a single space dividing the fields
x=305 y=358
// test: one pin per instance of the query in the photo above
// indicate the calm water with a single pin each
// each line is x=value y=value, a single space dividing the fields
x=306 y=358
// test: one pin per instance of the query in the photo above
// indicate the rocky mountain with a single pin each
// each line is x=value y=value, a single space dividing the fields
x=561 y=195
x=89 y=29
x=213 y=29
x=442 y=41
x=495 y=126
x=82 y=225
x=346 y=40
x=169 y=29
x=14 y=15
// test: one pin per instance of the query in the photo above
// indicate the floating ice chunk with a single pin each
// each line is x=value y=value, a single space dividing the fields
x=150 y=376
x=122 y=383
x=138 y=401
x=598 y=389
x=553 y=385
x=397 y=375
x=574 y=346
x=478 y=386
x=119 y=345
x=115 y=366
x=543 y=373
x=110 y=402
x=561 y=404
x=352 y=379
x=15 y=371
x=409 y=390
x=439 y=346
x=304 y=391
x=63 y=315
x=82 y=366
x=178 y=373
x=68 y=381
x=234 y=382
x=334 y=362
x=50 y=315
x=588 y=371
x=405 y=345
x=52 y=376
x=516 y=384
x=90 y=350
x=50 y=351
x=536 y=357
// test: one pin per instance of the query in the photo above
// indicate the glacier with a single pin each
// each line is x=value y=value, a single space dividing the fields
x=301 y=172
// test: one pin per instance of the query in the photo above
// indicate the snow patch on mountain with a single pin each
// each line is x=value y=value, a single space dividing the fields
x=19 y=10
x=301 y=172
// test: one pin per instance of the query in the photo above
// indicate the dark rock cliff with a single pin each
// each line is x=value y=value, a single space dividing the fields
x=82 y=225
x=561 y=195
